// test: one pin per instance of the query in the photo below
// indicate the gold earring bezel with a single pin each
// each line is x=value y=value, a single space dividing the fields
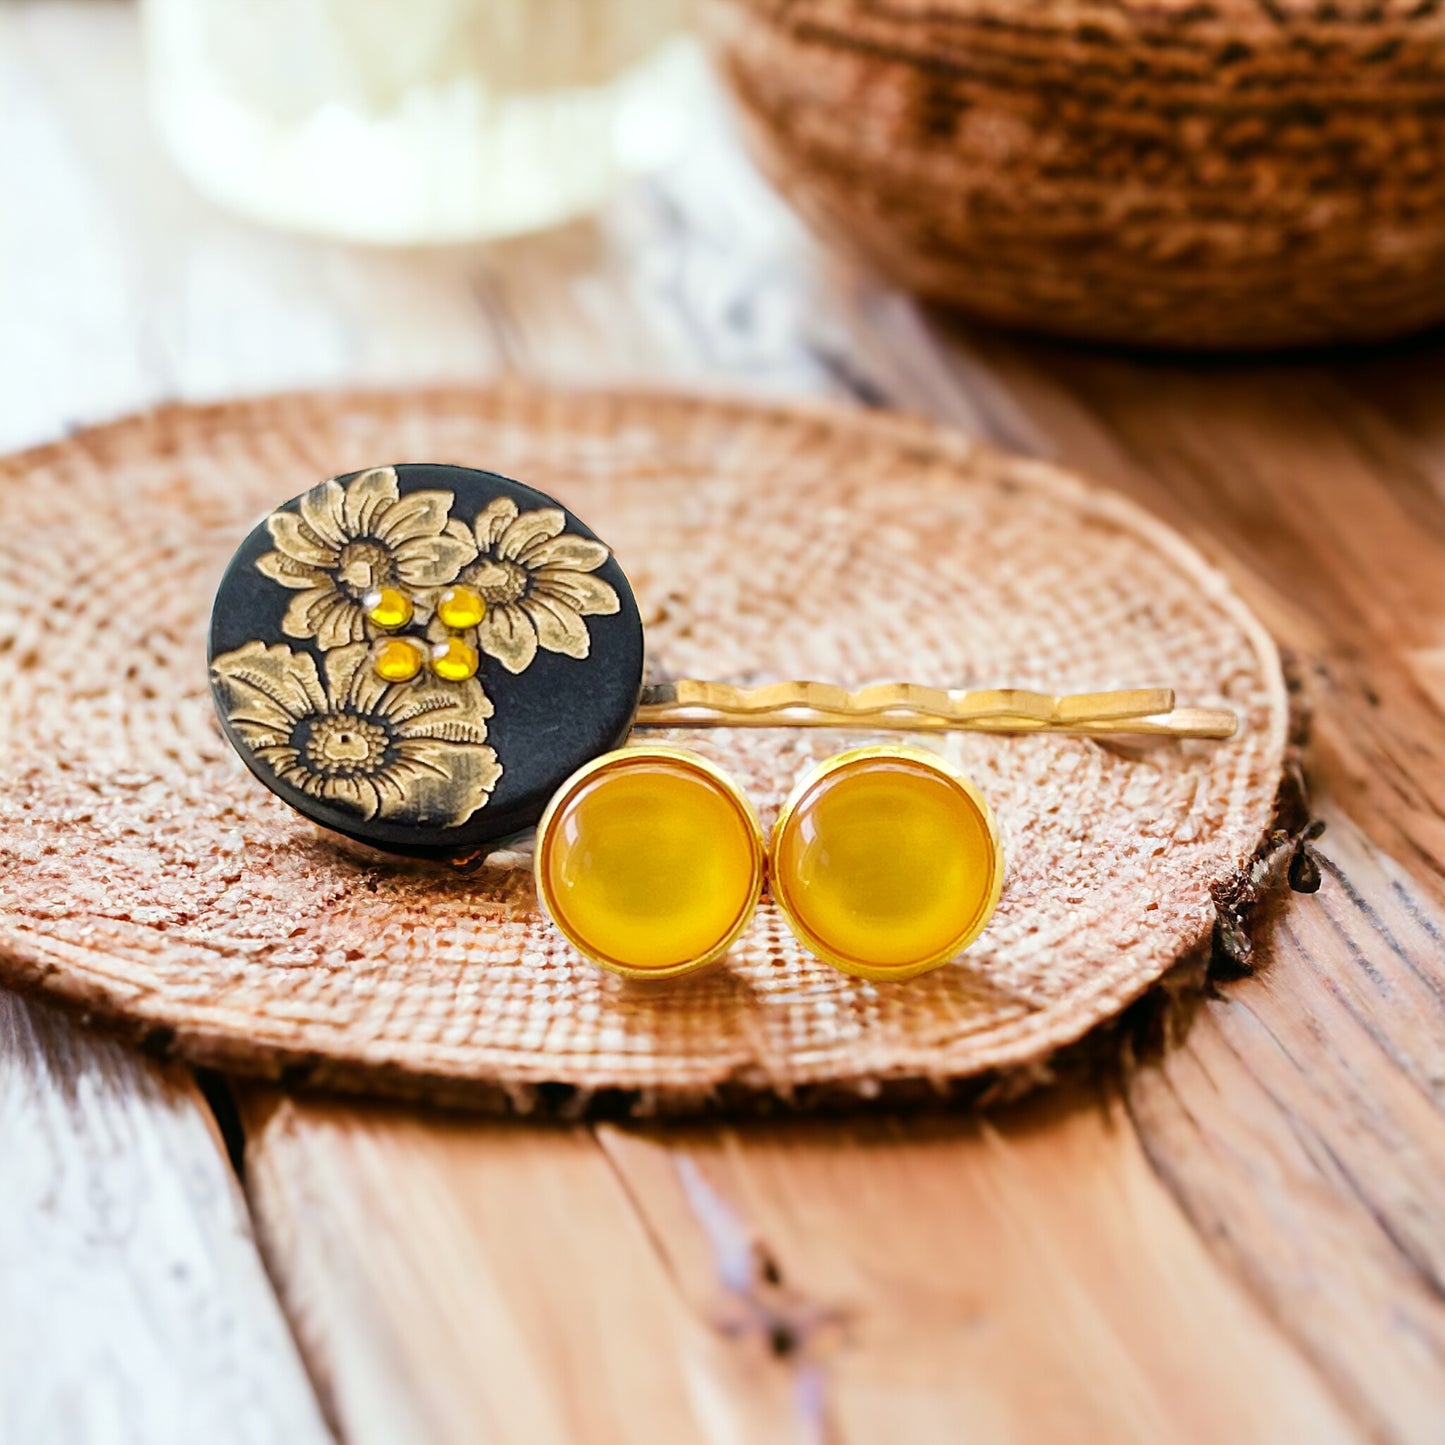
x=621 y=758
x=840 y=762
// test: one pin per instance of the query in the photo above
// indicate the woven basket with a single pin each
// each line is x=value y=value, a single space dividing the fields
x=151 y=882
x=1229 y=174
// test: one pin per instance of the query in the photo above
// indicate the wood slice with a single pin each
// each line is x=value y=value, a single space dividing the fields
x=1218 y=175
x=150 y=881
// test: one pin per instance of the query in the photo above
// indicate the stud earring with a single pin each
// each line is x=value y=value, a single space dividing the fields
x=886 y=862
x=650 y=861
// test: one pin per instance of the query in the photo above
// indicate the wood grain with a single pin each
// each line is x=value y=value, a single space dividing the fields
x=459 y=1280
x=133 y=1302
x=1279 y=1171
x=1300 y=1128
x=467 y=1280
x=939 y=1271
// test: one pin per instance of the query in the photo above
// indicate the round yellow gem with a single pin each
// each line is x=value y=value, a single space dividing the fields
x=454 y=660
x=388 y=607
x=886 y=862
x=650 y=861
x=397 y=659
x=461 y=608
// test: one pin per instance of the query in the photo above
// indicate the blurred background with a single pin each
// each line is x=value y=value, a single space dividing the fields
x=1171 y=245
x=206 y=198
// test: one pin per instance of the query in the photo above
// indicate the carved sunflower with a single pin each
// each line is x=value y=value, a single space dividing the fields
x=344 y=542
x=416 y=750
x=536 y=583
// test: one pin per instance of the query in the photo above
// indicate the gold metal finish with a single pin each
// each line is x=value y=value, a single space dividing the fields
x=908 y=707
x=842 y=762
x=625 y=757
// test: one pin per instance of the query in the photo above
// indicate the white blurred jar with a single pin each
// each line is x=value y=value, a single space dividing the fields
x=416 y=121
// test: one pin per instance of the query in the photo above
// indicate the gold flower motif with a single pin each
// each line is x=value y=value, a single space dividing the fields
x=344 y=542
x=536 y=582
x=415 y=750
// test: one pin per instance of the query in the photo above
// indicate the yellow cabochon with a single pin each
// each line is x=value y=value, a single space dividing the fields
x=650 y=861
x=886 y=862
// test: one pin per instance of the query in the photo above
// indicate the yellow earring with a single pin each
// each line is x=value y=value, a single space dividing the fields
x=650 y=861
x=886 y=862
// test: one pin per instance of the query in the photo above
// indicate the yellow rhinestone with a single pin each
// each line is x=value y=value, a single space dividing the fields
x=388 y=607
x=398 y=659
x=454 y=660
x=460 y=608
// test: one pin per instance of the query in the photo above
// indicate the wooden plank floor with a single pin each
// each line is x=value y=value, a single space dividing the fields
x=1241 y=1239
x=133 y=1303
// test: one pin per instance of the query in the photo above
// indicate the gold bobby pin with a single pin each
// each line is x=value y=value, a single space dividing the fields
x=908 y=707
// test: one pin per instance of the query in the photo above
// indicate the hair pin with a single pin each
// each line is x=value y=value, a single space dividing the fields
x=909 y=707
x=419 y=657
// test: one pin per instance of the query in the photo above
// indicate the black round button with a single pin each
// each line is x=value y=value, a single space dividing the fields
x=419 y=656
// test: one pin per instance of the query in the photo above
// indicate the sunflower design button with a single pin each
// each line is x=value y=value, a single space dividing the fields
x=418 y=656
